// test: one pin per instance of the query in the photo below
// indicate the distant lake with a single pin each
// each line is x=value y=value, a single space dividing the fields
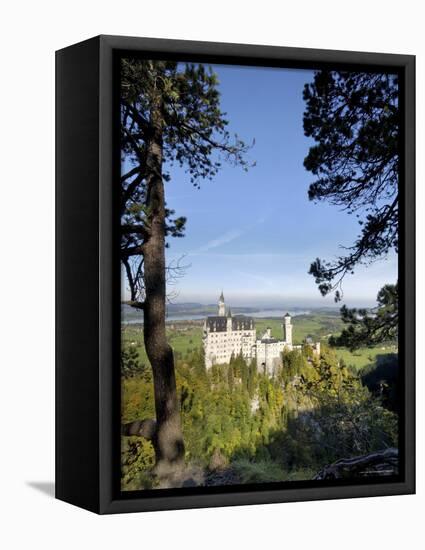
x=266 y=313
x=261 y=313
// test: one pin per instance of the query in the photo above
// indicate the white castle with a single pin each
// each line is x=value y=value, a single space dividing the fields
x=226 y=335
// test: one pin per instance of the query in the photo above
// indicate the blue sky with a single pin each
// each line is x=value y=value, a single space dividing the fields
x=254 y=234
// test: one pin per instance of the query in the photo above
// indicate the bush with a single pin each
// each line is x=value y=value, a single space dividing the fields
x=137 y=461
x=259 y=471
x=137 y=400
x=130 y=363
x=381 y=379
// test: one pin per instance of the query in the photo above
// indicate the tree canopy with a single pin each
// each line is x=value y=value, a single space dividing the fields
x=370 y=327
x=354 y=120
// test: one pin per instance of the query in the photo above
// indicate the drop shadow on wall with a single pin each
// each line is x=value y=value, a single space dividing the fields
x=46 y=487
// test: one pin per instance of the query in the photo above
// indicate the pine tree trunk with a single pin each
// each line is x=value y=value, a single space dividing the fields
x=168 y=442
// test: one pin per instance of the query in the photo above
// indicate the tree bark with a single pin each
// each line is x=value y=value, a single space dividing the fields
x=169 y=447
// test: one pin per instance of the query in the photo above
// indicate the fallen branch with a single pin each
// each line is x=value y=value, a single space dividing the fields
x=380 y=463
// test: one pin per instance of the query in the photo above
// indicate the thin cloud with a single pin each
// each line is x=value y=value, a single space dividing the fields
x=265 y=281
x=219 y=241
x=293 y=258
x=227 y=237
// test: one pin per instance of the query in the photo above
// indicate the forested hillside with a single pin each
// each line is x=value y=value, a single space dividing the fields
x=240 y=426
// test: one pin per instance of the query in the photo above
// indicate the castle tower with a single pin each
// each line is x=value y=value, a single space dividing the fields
x=287 y=329
x=221 y=306
x=229 y=321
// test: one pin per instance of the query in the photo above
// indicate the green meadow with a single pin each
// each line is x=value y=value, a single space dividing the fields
x=363 y=356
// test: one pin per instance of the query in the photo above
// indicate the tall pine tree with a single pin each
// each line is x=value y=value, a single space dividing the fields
x=170 y=114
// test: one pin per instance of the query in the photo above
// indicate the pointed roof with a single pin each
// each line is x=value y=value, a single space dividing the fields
x=221 y=299
x=287 y=314
x=229 y=312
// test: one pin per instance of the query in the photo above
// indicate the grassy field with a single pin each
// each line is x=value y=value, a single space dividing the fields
x=182 y=337
x=364 y=356
x=185 y=336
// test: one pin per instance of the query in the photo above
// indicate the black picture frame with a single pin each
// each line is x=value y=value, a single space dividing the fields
x=87 y=277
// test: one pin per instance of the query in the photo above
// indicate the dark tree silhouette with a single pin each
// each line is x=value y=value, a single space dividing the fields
x=170 y=114
x=354 y=120
x=370 y=327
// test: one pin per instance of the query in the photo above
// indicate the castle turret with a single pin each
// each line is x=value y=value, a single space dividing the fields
x=229 y=320
x=287 y=329
x=221 y=306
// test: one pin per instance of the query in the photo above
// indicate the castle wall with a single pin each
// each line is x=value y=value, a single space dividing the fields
x=219 y=346
x=269 y=354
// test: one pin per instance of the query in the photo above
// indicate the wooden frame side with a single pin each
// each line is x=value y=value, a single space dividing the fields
x=77 y=281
